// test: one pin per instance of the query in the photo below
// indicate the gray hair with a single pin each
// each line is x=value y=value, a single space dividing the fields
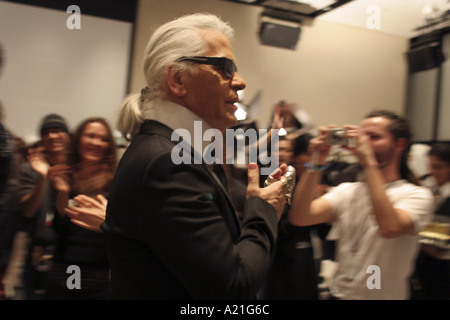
x=169 y=42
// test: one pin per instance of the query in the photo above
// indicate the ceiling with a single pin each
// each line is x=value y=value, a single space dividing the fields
x=396 y=17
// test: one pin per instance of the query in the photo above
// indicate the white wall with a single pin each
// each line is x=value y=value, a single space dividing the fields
x=50 y=68
x=337 y=73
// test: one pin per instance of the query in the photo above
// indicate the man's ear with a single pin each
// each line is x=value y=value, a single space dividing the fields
x=175 y=81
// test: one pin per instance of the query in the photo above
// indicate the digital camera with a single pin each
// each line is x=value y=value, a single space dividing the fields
x=336 y=136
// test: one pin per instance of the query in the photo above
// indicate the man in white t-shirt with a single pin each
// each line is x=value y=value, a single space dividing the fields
x=375 y=221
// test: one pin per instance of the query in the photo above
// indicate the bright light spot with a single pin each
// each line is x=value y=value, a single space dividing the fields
x=240 y=113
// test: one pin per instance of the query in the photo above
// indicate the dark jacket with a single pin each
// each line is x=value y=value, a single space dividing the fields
x=172 y=232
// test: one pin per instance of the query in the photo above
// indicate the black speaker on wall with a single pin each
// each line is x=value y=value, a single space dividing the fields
x=425 y=57
x=279 y=35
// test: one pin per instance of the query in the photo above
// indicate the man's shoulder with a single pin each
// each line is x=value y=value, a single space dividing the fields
x=407 y=186
x=153 y=134
x=348 y=186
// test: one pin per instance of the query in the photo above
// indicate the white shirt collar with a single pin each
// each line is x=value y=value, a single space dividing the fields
x=176 y=116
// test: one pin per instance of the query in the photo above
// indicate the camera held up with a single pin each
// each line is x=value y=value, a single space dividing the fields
x=336 y=136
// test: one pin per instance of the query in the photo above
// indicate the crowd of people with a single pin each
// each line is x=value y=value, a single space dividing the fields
x=62 y=175
x=140 y=226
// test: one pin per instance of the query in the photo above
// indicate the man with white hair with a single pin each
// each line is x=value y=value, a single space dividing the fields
x=171 y=229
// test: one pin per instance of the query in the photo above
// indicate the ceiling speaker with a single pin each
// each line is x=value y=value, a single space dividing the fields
x=279 y=35
x=425 y=57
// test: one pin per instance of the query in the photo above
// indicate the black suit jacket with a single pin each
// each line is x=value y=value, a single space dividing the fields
x=172 y=232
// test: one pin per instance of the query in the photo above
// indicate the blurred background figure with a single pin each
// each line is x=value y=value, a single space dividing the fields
x=294 y=119
x=10 y=159
x=375 y=222
x=7 y=206
x=93 y=163
x=294 y=271
x=34 y=239
x=8 y=198
x=287 y=119
x=432 y=276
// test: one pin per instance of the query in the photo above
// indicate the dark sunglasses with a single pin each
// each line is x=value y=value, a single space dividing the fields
x=226 y=65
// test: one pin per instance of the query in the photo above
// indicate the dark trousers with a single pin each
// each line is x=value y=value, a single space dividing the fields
x=433 y=276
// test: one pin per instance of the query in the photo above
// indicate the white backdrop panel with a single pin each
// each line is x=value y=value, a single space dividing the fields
x=49 y=68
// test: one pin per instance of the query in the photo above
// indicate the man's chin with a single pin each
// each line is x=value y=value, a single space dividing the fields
x=232 y=121
x=384 y=163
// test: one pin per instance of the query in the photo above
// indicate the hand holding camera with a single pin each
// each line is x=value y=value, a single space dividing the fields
x=330 y=136
x=342 y=136
x=336 y=136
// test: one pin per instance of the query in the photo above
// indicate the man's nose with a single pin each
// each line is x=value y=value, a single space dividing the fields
x=238 y=82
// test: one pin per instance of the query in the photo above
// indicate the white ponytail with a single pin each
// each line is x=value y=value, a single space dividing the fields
x=129 y=117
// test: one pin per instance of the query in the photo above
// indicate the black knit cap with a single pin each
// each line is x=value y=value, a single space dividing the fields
x=53 y=121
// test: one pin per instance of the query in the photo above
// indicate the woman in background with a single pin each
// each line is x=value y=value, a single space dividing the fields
x=433 y=262
x=85 y=185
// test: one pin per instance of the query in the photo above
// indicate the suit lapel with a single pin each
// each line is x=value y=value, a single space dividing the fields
x=153 y=127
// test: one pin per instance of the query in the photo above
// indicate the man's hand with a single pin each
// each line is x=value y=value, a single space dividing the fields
x=319 y=147
x=274 y=194
x=278 y=120
x=361 y=148
x=38 y=162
